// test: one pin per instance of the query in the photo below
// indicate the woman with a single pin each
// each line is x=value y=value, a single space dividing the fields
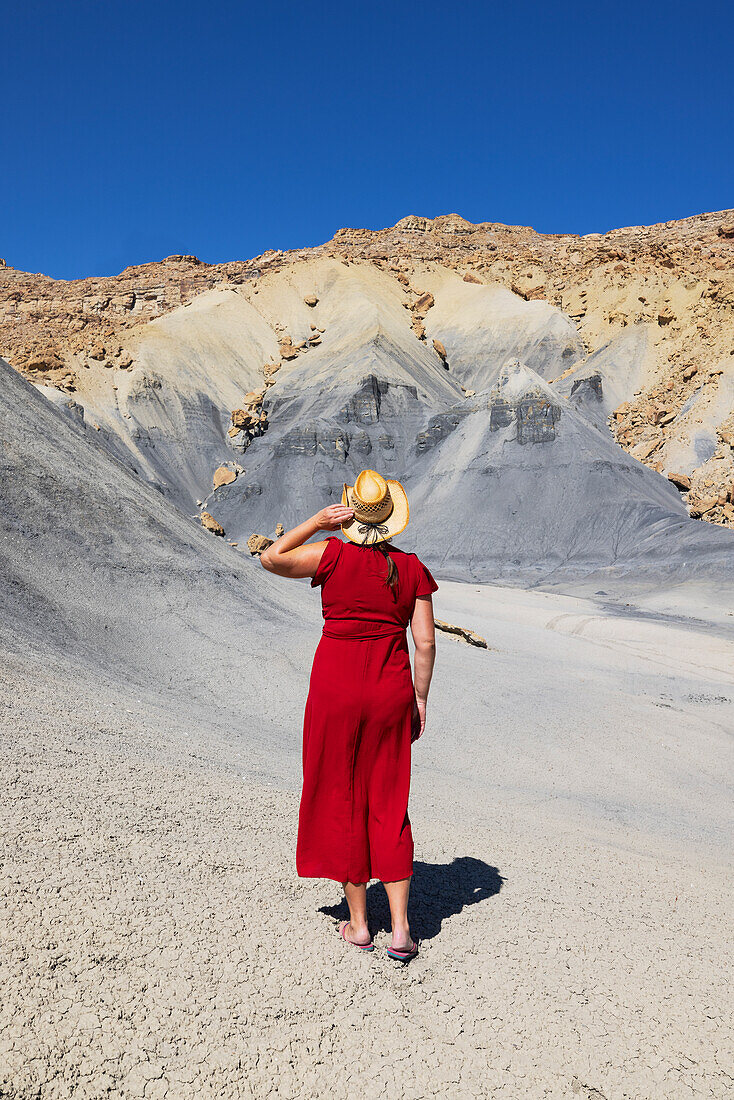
x=362 y=711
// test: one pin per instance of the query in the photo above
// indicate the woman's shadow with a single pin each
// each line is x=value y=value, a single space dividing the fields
x=438 y=891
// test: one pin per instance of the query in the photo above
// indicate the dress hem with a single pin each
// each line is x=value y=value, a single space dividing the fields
x=340 y=879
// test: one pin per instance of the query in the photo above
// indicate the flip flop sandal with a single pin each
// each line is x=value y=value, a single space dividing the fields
x=403 y=956
x=362 y=946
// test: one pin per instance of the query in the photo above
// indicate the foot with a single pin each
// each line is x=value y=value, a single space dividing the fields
x=403 y=956
x=401 y=939
x=357 y=934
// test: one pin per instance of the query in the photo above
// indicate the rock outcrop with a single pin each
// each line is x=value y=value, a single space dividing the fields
x=462 y=632
x=647 y=310
x=223 y=475
x=208 y=521
x=248 y=421
x=257 y=543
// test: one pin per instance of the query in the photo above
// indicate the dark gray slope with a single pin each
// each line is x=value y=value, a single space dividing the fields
x=100 y=566
x=565 y=502
x=514 y=483
x=328 y=422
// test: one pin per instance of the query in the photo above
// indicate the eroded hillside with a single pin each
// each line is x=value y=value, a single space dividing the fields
x=634 y=328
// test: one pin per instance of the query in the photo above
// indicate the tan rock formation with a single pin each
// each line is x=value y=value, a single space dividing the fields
x=466 y=635
x=257 y=543
x=423 y=303
x=244 y=418
x=223 y=475
x=208 y=521
x=287 y=349
x=440 y=349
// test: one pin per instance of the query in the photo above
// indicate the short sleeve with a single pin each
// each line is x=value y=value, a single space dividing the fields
x=329 y=558
x=426 y=583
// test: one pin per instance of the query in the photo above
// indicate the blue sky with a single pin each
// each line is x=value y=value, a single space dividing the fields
x=133 y=130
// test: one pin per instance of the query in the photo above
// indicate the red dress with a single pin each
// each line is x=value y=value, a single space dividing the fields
x=353 y=822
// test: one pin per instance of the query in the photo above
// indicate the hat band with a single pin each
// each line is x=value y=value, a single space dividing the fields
x=371 y=513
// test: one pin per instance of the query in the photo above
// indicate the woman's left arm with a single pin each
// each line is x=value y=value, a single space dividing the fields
x=288 y=557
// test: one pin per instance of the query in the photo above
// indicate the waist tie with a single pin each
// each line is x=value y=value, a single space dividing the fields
x=360 y=629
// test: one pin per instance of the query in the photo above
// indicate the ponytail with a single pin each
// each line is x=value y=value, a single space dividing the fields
x=392 y=572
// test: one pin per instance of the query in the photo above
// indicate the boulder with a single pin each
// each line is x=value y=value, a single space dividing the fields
x=440 y=349
x=463 y=632
x=681 y=481
x=702 y=506
x=423 y=303
x=287 y=351
x=311 y=300
x=726 y=230
x=257 y=543
x=223 y=475
x=644 y=450
x=244 y=418
x=208 y=521
x=470 y=277
x=279 y=530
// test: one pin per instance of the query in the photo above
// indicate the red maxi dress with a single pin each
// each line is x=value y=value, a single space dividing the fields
x=353 y=823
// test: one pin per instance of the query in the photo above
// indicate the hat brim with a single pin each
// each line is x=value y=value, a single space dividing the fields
x=367 y=534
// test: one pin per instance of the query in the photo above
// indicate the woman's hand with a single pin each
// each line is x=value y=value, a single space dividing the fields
x=288 y=557
x=328 y=519
x=419 y=719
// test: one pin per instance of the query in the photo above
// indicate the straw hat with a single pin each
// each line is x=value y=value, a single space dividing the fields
x=380 y=508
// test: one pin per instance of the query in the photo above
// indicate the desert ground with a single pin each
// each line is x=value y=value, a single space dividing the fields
x=571 y=894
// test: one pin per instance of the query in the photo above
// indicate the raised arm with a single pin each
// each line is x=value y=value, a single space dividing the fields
x=288 y=557
x=424 y=636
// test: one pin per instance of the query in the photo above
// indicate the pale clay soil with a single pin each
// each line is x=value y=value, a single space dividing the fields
x=157 y=942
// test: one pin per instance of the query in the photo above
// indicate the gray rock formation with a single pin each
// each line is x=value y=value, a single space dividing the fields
x=100 y=568
x=509 y=476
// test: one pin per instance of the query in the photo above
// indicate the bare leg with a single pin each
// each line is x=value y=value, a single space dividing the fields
x=356 y=895
x=397 y=896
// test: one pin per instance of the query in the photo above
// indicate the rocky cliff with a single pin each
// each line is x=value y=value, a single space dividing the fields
x=632 y=329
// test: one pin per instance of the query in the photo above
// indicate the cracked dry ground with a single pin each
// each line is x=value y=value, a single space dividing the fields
x=156 y=942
